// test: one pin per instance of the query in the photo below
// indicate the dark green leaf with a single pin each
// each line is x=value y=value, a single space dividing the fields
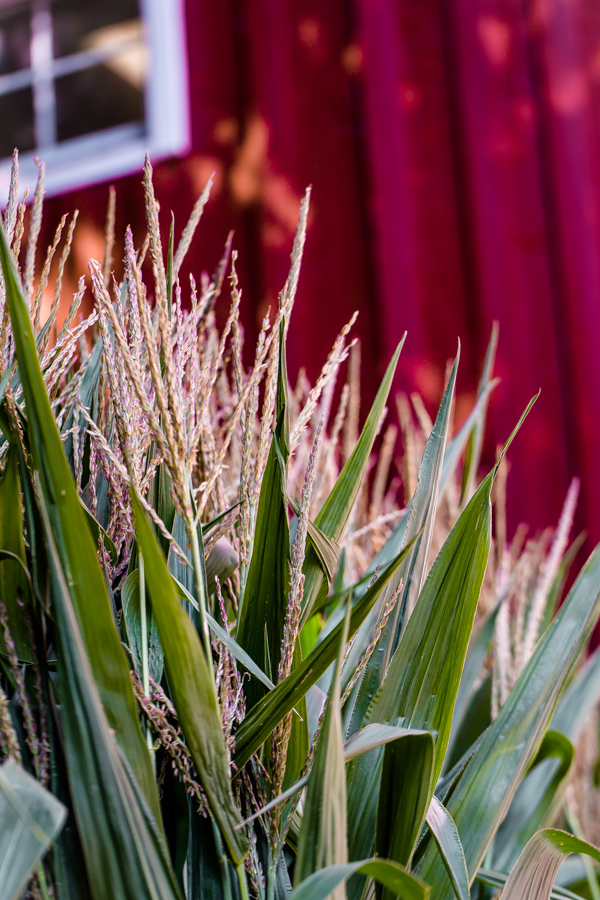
x=125 y=854
x=74 y=543
x=256 y=728
x=14 y=585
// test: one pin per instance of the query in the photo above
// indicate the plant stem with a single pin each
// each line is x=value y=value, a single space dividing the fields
x=192 y=534
x=223 y=863
x=144 y=637
x=241 y=874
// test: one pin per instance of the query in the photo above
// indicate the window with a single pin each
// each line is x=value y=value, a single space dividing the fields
x=89 y=87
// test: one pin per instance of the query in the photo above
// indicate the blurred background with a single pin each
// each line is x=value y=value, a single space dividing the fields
x=453 y=147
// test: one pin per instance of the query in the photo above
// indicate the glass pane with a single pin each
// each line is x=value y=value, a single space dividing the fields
x=98 y=98
x=16 y=115
x=84 y=25
x=14 y=42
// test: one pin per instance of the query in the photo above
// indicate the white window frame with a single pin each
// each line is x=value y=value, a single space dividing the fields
x=114 y=152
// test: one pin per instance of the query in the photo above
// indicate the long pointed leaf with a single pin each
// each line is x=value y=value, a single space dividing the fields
x=191 y=686
x=420 y=524
x=448 y=842
x=74 y=543
x=392 y=875
x=256 y=728
x=334 y=513
x=323 y=839
x=13 y=580
x=491 y=777
x=125 y=854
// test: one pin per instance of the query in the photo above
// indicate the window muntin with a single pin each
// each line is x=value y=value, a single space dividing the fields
x=90 y=86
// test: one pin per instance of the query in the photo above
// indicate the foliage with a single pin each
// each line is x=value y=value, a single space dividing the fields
x=235 y=661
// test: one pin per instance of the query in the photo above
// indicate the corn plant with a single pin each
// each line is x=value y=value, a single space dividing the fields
x=235 y=661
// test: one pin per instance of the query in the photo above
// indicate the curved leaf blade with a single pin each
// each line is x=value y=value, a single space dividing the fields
x=390 y=874
x=536 y=869
x=446 y=836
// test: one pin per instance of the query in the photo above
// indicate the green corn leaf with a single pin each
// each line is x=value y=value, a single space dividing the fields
x=130 y=598
x=536 y=869
x=334 y=514
x=492 y=775
x=421 y=683
x=537 y=801
x=420 y=523
x=449 y=846
x=125 y=854
x=452 y=456
x=420 y=686
x=369 y=738
x=404 y=792
x=74 y=543
x=478 y=648
x=392 y=875
x=257 y=726
x=323 y=839
x=30 y=820
x=14 y=584
x=263 y=607
x=191 y=686
x=327 y=550
x=473 y=454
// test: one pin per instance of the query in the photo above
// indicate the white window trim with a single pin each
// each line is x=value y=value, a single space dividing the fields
x=101 y=156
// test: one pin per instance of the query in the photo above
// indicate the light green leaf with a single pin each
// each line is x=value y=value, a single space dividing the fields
x=30 y=820
x=473 y=454
x=421 y=683
x=130 y=599
x=392 y=875
x=420 y=524
x=448 y=843
x=492 y=775
x=75 y=546
x=334 y=514
x=191 y=686
x=323 y=839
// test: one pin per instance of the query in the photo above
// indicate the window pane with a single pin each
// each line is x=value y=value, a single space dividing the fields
x=97 y=98
x=16 y=116
x=14 y=42
x=78 y=24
